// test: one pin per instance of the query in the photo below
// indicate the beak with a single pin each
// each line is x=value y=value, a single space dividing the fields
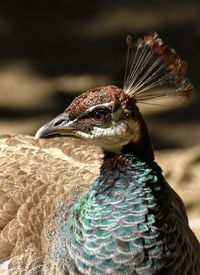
x=60 y=125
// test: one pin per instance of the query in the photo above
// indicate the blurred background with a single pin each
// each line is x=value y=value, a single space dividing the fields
x=52 y=51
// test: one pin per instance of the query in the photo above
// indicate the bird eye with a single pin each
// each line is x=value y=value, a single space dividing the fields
x=101 y=116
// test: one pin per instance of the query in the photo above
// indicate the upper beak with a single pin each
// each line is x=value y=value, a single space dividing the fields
x=60 y=125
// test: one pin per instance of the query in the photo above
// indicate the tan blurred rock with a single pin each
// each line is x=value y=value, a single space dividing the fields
x=181 y=168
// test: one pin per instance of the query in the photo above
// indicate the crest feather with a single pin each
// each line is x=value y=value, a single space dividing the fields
x=154 y=70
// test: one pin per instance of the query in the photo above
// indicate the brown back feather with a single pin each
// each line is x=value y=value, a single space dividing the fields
x=37 y=177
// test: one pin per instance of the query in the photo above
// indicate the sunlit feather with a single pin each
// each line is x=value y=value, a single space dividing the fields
x=154 y=70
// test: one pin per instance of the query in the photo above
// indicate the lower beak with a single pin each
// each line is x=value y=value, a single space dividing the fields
x=60 y=125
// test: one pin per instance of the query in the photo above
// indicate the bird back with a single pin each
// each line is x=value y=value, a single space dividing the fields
x=36 y=178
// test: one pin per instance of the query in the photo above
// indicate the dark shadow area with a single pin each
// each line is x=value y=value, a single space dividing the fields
x=59 y=99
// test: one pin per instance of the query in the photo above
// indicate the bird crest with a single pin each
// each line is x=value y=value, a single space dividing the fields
x=154 y=70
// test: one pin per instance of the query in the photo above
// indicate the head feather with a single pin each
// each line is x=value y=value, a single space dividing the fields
x=154 y=70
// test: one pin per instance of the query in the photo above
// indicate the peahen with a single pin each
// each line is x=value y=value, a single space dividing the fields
x=94 y=201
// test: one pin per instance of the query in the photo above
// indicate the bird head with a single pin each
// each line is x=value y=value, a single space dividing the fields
x=108 y=116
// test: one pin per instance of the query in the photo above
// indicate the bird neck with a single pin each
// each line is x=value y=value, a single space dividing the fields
x=124 y=168
x=117 y=217
x=143 y=148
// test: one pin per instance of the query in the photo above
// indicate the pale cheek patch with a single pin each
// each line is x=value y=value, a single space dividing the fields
x=116 y=129
x=114 y=137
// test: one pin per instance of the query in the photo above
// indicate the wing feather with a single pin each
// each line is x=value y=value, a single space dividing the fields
x=37 y=177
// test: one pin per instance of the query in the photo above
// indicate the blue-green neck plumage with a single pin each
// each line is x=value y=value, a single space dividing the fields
x=118 y=226
x=126 y=223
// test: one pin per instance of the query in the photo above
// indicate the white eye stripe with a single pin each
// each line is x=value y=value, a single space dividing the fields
x=89 y=110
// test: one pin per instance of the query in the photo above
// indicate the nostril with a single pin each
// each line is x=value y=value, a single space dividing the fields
x=58 y=122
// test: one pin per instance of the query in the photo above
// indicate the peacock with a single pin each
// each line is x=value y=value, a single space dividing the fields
x=86 y=196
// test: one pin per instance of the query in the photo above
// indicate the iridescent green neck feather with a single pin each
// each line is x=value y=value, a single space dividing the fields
x=122 y=224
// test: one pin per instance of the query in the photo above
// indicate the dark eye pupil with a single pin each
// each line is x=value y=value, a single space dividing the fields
x=99 y=115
